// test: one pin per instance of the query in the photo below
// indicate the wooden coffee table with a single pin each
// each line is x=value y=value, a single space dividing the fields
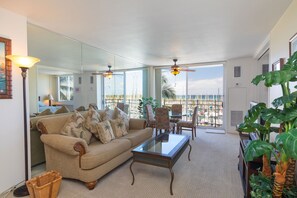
x=163 y=151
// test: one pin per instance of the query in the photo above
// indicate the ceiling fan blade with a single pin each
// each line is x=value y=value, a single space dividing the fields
x=95 y=73
x=188 y=70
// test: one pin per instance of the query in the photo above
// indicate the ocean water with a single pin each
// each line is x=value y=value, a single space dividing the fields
x=2 y=84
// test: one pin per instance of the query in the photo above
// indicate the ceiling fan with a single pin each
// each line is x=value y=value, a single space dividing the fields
x=175 y=69
x=106 y=74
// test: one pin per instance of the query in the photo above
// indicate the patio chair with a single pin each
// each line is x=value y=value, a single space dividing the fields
x=163 y=121
x=189 y=125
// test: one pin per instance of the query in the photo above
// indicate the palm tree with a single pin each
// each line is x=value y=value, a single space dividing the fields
x=168 y=91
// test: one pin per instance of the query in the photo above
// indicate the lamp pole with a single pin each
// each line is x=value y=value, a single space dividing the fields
x=24 y=62
x=24 y=75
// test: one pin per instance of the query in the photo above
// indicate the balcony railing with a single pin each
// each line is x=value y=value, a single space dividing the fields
x=210 y=109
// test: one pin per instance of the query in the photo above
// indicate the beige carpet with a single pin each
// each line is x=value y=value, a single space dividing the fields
x=211 y=173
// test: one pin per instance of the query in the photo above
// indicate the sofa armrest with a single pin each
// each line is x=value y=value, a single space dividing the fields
x=65 y=144
x=136 y=124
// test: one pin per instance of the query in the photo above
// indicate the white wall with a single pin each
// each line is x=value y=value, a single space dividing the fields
x=279 y=41
x=44 y=87
x=12 y=169
x=239 y=91
x=87 y=92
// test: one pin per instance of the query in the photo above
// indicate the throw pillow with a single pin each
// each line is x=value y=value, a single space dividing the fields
x=107 y=114
x=74 y=127
x=104 y=132
x=45 y=112
x=63 y=109
x=92 y=117
x=118 y=127
x=118 y=113
x=81 y=108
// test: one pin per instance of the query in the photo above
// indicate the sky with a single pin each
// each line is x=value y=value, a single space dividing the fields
x=204 y=81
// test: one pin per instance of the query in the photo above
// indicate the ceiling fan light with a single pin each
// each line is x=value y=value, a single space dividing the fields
x=175 y=71
x=108 y=75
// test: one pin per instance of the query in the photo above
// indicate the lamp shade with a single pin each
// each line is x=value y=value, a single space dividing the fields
x=23 y=61
x=50 y=97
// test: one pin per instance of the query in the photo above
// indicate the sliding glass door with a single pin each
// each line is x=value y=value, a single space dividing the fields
x=202 y=88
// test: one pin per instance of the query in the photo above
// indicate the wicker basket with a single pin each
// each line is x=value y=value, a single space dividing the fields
x=45 y=186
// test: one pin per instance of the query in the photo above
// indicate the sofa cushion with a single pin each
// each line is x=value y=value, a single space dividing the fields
x=92 y=117
x=104 y=132
x=74 y=127
x=138 y=136
x=118 y=128
x=101 y=153
x=119 y=114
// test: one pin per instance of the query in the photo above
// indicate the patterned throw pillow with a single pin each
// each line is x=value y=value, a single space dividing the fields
x=107 y=114
x=63 y=109
x=93 y=117
x=118 y=113
x=104 y=132
x=45 y=112
x=81 y=108
x=118 y=128
x=74 y=127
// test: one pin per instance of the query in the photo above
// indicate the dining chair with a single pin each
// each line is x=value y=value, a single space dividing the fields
x=176 y=113
x=121 y=105
x=163 y=121
x=150 y=117
x=124 y=107
x=189 y=125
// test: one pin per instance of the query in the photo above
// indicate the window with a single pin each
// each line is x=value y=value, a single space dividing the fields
x=134 y=91
x=65 y=88
x=124 y=87
x=114 y=90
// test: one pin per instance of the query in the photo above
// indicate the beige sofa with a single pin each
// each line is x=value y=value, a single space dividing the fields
x=75 y=159
x=37 y=148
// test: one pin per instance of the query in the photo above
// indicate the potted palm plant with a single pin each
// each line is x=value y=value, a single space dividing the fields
x=284 y=113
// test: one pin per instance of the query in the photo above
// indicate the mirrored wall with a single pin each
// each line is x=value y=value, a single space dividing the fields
x=63 y=56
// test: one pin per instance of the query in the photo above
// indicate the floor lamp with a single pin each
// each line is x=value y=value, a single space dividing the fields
x=23 y=62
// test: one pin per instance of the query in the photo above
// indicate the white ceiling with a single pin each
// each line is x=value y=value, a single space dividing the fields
x=153 y=32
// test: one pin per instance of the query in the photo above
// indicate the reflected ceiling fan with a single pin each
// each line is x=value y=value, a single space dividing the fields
x=106 y=74
x=175 y=69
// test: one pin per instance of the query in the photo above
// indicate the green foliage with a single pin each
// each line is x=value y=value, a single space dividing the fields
x=285 y=145
x=285 y=99
x=256 y=149
x=143 y=102
x=261 y=186
x=288 y=141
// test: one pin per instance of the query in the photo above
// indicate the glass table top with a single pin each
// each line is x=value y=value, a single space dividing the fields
x=163 y=144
